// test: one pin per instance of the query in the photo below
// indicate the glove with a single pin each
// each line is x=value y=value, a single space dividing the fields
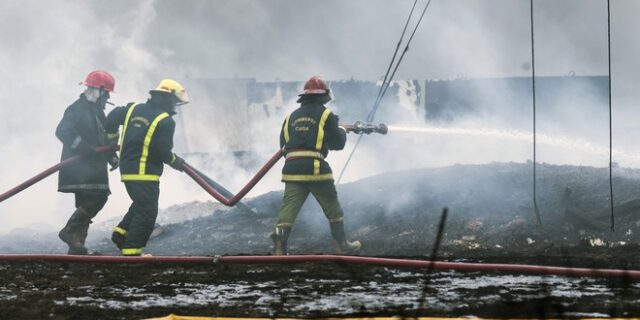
x=114 y=162
x=177 y=163
x=112 y=138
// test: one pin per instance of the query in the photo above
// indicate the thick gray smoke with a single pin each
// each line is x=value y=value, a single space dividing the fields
x=48 y=47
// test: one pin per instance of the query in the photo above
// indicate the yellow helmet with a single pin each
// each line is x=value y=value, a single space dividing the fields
x=172 y=86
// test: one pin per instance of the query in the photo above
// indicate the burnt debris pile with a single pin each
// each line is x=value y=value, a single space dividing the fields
x=396 y=214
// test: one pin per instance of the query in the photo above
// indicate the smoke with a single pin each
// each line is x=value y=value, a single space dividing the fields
x=49 y=47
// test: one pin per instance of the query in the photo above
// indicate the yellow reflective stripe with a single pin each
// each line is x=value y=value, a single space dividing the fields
x=113 y=135
x=285 y=129
x=284 y=224
x=307 y=177
x=126 y=122
x=316 y=167
x=147 y=142
x=304 y=154
x=323 y=119
x=120 y=231
x=132 y=251
x=140 y=177
x=173 y=158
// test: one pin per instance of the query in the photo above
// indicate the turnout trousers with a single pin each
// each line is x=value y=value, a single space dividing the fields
x=139 y=221
x=295 y=193
x=88 y=204
x=91 y=201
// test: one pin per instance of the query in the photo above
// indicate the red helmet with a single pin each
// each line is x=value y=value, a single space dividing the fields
x=315 y=85
x=100 y=79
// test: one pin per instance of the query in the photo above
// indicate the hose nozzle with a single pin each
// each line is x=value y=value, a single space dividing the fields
x=360 y=127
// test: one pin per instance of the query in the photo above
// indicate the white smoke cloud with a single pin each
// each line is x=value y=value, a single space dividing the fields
x=48 y=47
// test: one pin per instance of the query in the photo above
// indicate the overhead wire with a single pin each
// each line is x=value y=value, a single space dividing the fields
x=395 y=52
x=533 y=95
x=372 y=114
x=387 y=80
x=384 y=81
x=610 y=118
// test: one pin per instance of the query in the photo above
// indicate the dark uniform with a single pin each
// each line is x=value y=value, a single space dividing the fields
x=80 y=130
x=146 y=144
x=307 y=135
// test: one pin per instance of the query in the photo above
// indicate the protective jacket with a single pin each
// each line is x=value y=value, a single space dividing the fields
x=307 y=135
x=146 y=141
x=82 y=128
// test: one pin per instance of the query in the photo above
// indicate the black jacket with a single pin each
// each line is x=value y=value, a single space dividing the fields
x=82 y=128
x=147 y=139
x=307 y=135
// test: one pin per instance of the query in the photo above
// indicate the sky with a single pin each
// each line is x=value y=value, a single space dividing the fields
x=49 y=46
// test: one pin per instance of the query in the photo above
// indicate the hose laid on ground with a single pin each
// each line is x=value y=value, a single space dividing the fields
x=383 y=262
x=189 y=170
x=12 y=192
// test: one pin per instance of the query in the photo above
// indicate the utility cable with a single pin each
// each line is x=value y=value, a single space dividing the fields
x=610 y=118
x=393 y=58
x=385 y=84
x=384 y=81
x=372 y=114
x=533 y=89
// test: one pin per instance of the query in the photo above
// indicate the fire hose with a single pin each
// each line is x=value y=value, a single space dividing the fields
x=373 y=261
x=212 y=187
x=193 y=173
x=209 y=185
x=225 y=197
x=12 y=192
x=223 y=191
x=358 y=127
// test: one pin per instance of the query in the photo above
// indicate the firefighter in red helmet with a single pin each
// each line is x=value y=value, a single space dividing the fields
x=80 y=131
x=307 y=135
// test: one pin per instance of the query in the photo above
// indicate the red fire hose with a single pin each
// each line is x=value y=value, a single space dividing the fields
x=47 y=173
x=386 y=262
x=188 y=169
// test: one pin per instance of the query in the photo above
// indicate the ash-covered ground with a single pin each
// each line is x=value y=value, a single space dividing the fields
x=31 y=290
x=397 y=214
x=491 y=219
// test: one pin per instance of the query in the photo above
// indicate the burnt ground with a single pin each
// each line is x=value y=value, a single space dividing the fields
x=92 y=291
x=491 y=219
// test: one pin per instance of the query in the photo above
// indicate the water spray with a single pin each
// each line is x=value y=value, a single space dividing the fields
x=515 y=135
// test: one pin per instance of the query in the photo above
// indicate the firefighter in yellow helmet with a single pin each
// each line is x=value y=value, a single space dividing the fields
x=307 y=135
x=146 y=144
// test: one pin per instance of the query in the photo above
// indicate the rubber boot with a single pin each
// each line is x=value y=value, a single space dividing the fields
x=280 y=236
x=340 y=243
x=72 y=233
x=118 y=237
x=83 y=232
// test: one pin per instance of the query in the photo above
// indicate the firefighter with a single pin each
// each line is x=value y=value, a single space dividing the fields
x=307 y=135
x=80 y=131
x=146 y=144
